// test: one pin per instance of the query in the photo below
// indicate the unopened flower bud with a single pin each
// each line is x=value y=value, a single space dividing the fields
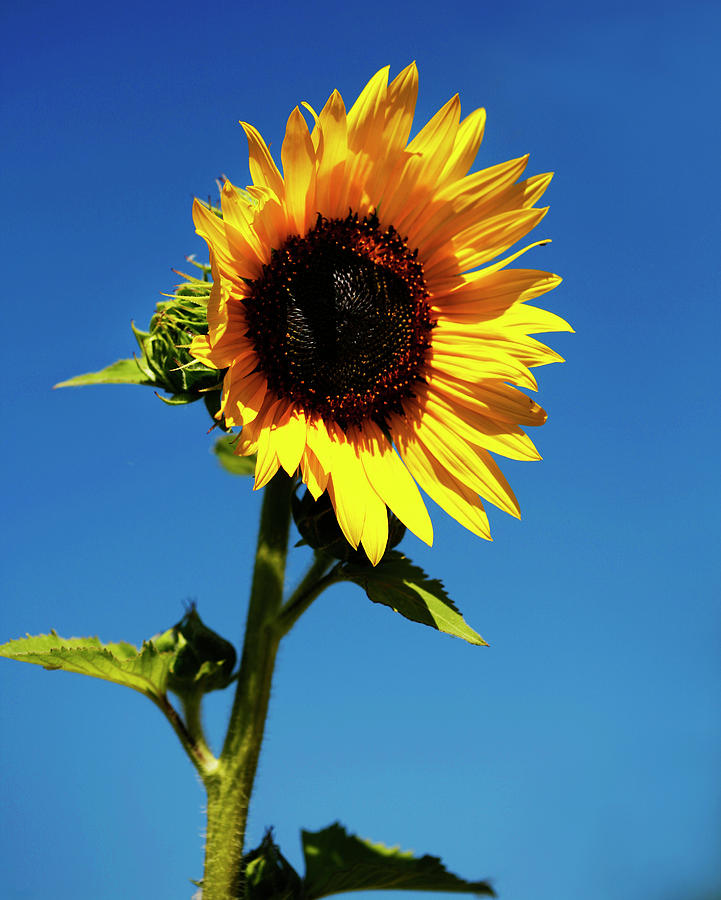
x=166 y=344
x=203 y=661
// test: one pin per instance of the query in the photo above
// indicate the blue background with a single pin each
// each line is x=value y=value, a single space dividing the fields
x=577 y=757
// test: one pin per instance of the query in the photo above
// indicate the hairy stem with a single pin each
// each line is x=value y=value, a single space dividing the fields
x=230 y=787
x=192 y=706
x=193 y=743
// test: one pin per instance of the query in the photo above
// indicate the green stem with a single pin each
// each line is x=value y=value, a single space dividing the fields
x=313 y=584
x=229 y=788
x=192 y=704
x=193 y=741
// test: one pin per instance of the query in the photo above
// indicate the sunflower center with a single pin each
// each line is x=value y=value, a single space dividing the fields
x=340 y=320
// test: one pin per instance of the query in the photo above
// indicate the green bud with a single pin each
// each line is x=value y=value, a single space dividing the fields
x=268 y=874
x=319 y=528
x=203 y=661
x=165 y=362
x=165 y=346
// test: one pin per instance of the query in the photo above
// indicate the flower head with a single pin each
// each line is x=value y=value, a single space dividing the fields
x=368 y=334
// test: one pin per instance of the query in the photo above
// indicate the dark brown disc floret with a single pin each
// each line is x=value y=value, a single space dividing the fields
x=340 y=320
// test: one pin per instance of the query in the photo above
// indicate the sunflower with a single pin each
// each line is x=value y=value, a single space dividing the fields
x=370 y=334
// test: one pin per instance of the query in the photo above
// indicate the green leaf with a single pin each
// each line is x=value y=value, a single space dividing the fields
x=144 y=670
x=336 y=862
x=236 y=465
x=406 y=588
x=269 y=875
x=124 y=371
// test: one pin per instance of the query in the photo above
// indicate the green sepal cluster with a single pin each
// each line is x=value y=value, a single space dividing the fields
x=165 y=362
x=316 y=521
x=268 y=875
x=337 y=862
x=200 y=659
x=404 y=587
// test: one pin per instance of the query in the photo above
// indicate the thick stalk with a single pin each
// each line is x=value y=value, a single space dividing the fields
x=229 y=788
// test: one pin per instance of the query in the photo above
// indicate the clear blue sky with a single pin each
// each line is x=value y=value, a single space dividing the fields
x=577 y=758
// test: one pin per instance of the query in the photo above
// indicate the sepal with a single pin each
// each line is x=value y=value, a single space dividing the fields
x=268 y=875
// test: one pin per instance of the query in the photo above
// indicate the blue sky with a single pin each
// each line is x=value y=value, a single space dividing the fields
x=577 y=757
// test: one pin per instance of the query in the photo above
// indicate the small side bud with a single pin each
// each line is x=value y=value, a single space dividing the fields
x=164 y=362
x=203 y=661
x=166 y=344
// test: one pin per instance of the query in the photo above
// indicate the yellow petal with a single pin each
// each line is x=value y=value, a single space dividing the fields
x=330 y=194
x=267 y=463
x=493 y=342
x=239 y=213
x=424 y=159
x=246 y=444
x=230 y=345
x=232 y=252
x=522 y=195
x=476 y=364
x=445 y=284
x=393 y=483
x=366 y=118
x=483 y=241
x=401 y=100
x=375 y=528
x=465 y=147
x=479 y=430
x=436 y=139
x=444 y=488
x=263 y=169
x=319 y=443
x=315 y=477
x=530 y=319
x=244 y=399
x=200 y=348
x=289 y=439
x=490 y=398
x=487 y=295
x=349 y=486
x=316 y=136
x=360 y=512
x=366 y=122
x=298 y=159
x=471 y=465
x=270 y=223
x=464 y=203
x=402 y=95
